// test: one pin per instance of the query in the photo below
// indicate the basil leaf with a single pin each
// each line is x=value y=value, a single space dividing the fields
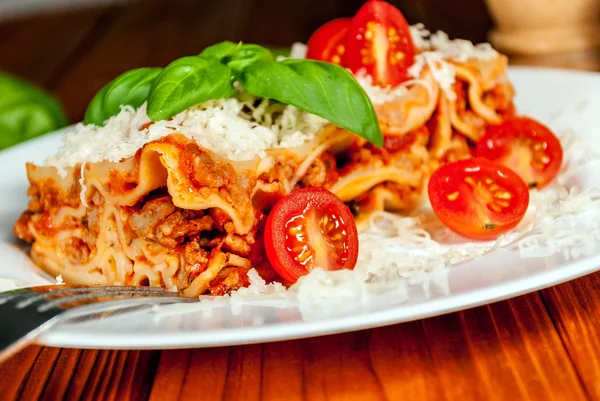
x=220 y=50
x=320 y=88
x=187 y=82
x=245 y=56
x=128 y=89
x=279 y=51
x=26 y=111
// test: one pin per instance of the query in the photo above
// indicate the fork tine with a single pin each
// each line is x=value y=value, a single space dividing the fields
x=82 y=297
x=41 y=292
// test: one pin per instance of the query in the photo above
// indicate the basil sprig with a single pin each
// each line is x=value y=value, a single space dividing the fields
x=128 y=89
x=320 y=88
x=187 y=82
x=220 y=50
x=246 y=56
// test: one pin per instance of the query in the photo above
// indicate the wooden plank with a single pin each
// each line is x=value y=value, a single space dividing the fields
x=62 y=374
x=129 y=43
x=36 y=47
x=85 y=366
x=283 y=359
x=40 y=373
x=507 y=350
x=339 y=367
x=170 y=375
x=137 y=376
x=574 y=308
x=400 y=358
x=15 y=371
x=206 y=374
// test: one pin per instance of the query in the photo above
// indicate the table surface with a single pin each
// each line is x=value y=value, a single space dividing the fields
x=544 y=345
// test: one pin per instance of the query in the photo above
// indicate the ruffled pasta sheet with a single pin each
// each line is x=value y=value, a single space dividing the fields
x=195 y=178
x=483 y=96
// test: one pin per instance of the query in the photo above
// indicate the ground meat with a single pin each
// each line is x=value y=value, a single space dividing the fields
x=153 y=211
x=194 y=260
x=75 y=251
x=229 y=279
x=321 y=172
x=220 y=218
x=283 y=170
x=204 y=170
x=160 y=221
x=21 y=230
x=237 y=245
x=176 y=227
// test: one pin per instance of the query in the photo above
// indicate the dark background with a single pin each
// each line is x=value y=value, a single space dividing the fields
x=85 y=47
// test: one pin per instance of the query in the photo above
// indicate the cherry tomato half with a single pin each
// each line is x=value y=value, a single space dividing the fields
x=379 y=41
x=477 y=198
x=526 y=146
x=328 y=43
x=310 y=228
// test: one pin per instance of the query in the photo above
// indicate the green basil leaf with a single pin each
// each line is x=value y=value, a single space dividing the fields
x=128 y=89
x=187 y=82
x=245 y=56
x=26 y=111
x=320 y=88
x=279 y=51
x=220 y=50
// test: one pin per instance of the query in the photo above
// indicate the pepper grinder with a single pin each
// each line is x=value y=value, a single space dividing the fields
x=554 y=33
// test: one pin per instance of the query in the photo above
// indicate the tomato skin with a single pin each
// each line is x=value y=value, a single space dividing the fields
x=328 y=43
x=526 y=146
x=309 y=206
x=379 y=41
x=477 y=198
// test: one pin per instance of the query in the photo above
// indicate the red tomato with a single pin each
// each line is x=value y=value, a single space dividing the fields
x=526 y=146
x=478 y=198
x=379 y=41
x=310 y=228
x=328 y=43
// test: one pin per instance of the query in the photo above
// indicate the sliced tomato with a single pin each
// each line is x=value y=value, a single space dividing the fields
x=379 y=41
x=328 y=43
x=310 y=228
x=526 y=146
x=478 y=198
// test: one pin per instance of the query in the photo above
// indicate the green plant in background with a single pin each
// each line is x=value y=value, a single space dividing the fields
x=26 y=111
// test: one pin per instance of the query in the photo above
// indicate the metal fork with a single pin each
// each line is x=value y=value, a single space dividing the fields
x=26 y=313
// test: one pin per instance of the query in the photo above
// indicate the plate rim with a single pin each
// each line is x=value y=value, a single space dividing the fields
x=487 y=294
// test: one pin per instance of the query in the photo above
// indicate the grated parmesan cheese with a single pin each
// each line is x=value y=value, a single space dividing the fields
x=397 y=251
x=437 y=47
x=239 y=128
x=298 y=51
x=376 y=93
x=443 y=72
x=7 y=284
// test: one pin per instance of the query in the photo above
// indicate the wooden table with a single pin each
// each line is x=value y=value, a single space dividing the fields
x=541 y=346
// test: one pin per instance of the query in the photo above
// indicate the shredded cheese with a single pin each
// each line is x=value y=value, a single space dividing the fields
x=298 y=51
x=376 y=93
x=437 y=48
x=7 y=284
x=400 y=250
x=238 y=128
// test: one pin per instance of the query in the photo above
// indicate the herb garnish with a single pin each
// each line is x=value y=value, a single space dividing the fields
x=320 y=88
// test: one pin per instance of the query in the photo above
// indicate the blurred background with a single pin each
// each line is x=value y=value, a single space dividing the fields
x=73 y=47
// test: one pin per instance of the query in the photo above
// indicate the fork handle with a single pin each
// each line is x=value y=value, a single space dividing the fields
x=21 y=328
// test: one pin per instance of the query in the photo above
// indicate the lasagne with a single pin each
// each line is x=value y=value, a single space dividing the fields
x=181 y=203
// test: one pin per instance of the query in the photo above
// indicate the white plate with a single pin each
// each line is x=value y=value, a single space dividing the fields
x=562 y=99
